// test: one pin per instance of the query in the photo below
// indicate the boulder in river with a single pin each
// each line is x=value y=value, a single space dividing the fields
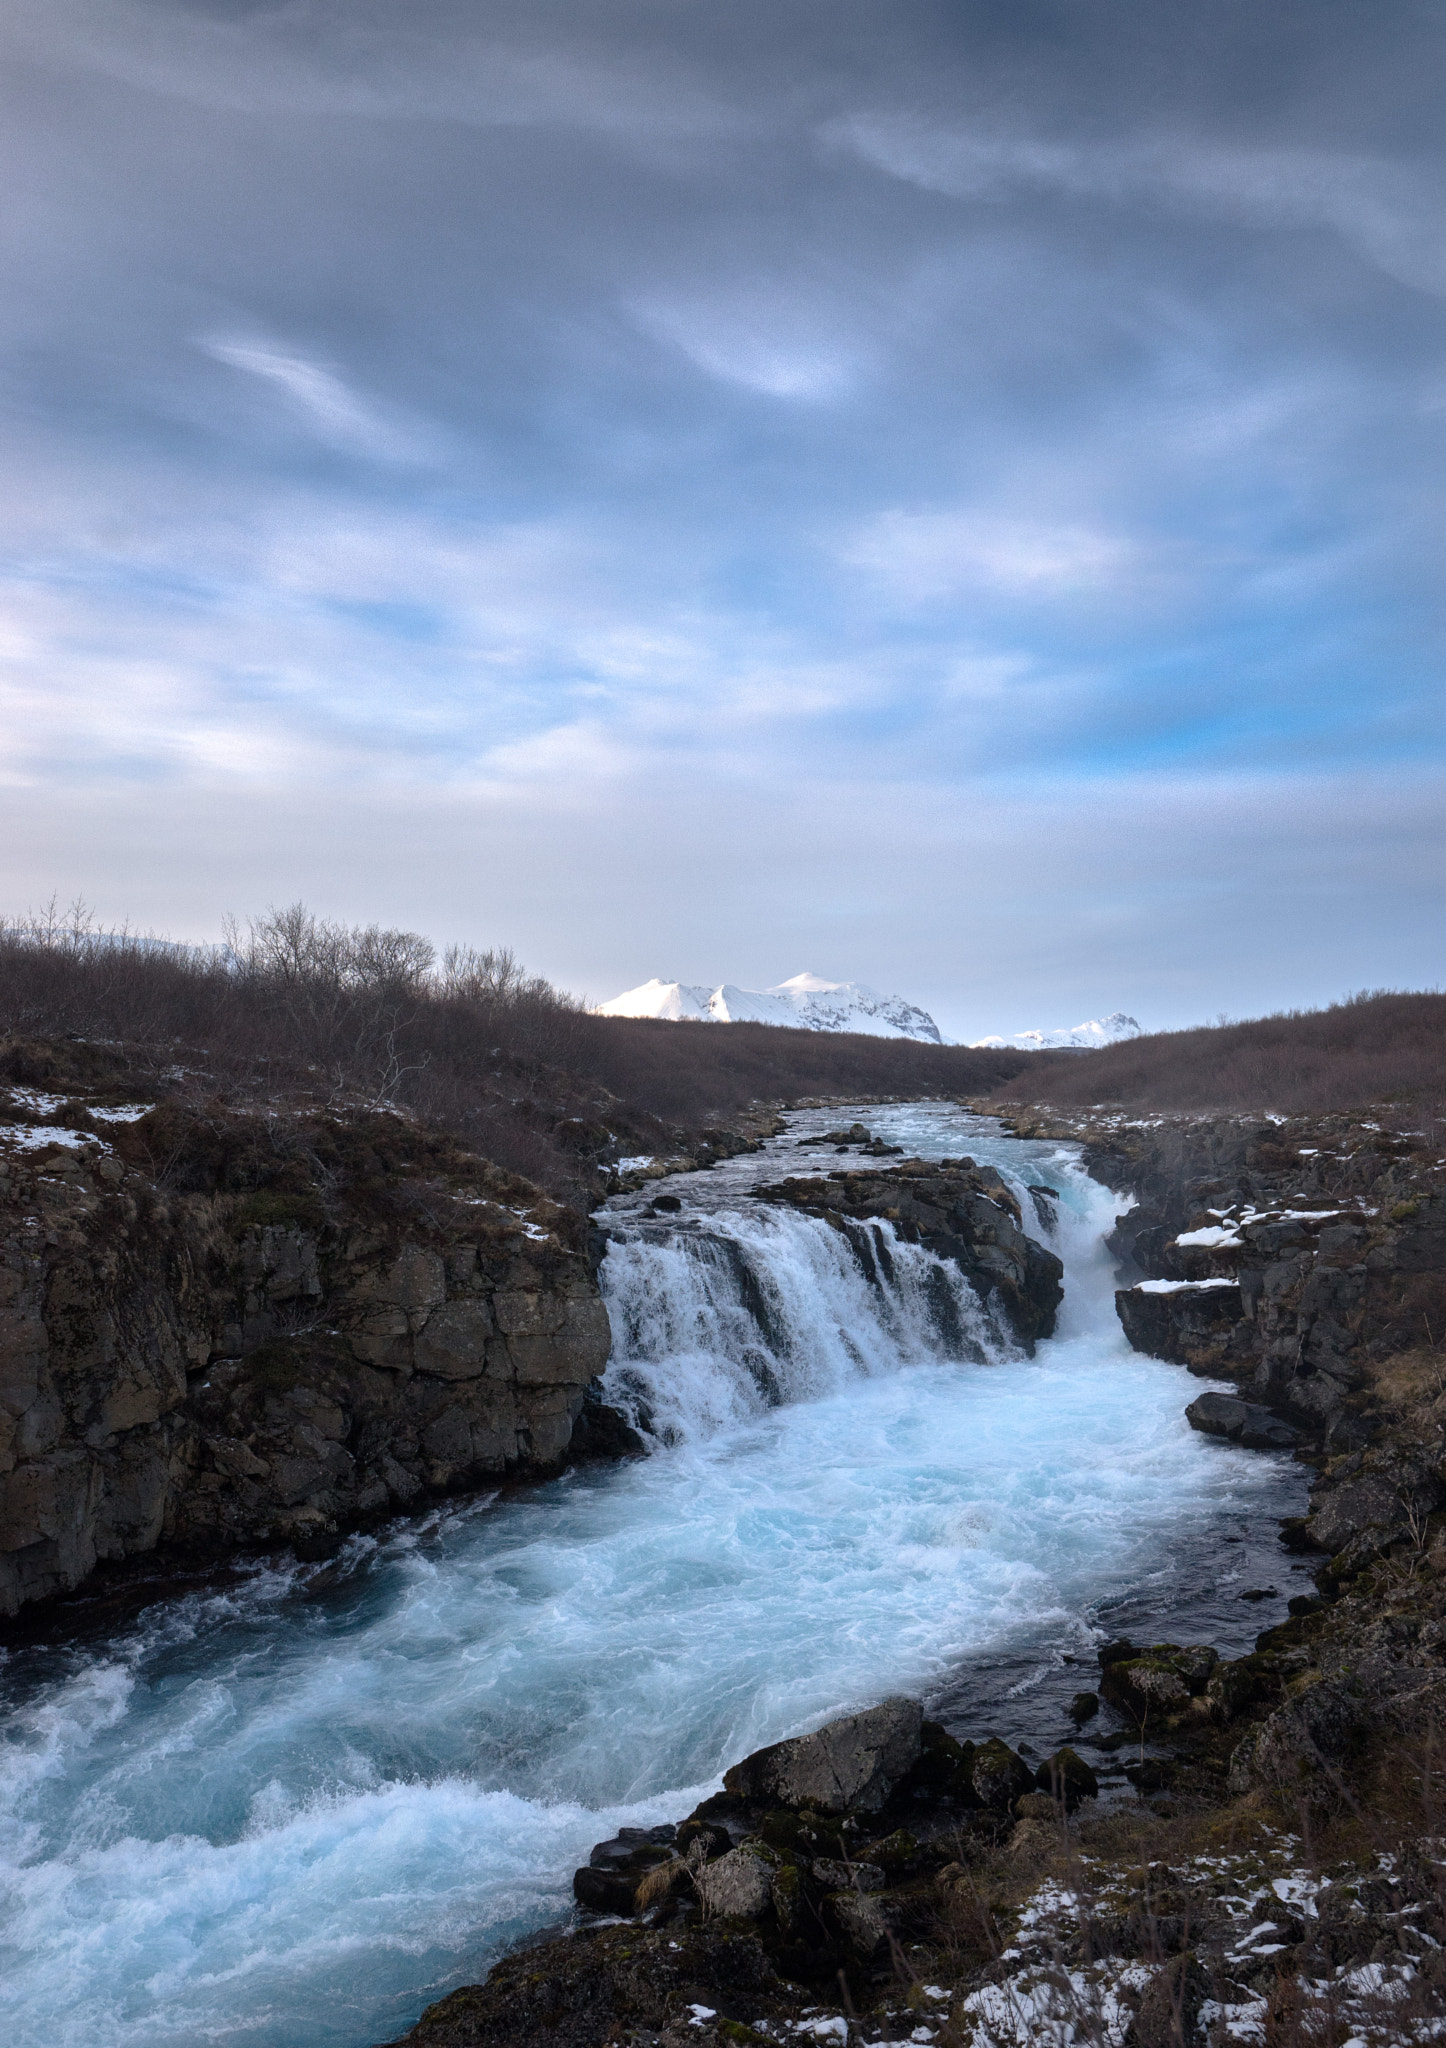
x=1067 y=1776
x=608 y=1882
x=1242 y=1422
x=853 y=1763
x=999 y=1775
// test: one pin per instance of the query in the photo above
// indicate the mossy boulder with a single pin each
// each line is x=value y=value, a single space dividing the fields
x=998 y=1775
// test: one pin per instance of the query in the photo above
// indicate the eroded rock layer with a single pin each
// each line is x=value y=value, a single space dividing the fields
x=233 y=1329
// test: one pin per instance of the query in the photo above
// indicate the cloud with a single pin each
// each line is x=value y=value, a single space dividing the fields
x=370 y=60
x=923 y=556
x=897 y=481
x=772 y=346
x=326 y=405
x=1391 y=213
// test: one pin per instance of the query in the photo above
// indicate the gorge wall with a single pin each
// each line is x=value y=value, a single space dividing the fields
x=222 y=1330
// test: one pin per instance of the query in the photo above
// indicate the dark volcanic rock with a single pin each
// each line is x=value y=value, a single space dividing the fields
x=959 y=1211
x=1067 y=1776
x=578 y=1993
x=1187 y=1325
x=1333 y=1231
x=999 y=1775
x=212 y=1336
x=1242 y=1422
x=852 y=1764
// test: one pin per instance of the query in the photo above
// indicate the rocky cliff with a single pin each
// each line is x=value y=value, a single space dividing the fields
x=1280 y=1877
x=220 y=1329
x=1292 y=1257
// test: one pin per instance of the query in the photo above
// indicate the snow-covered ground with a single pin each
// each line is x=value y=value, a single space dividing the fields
x=805 y=1002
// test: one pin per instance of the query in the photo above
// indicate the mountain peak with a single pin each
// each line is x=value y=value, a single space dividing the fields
x=805 y=1003
x=805 y=985
x=1088 y=1037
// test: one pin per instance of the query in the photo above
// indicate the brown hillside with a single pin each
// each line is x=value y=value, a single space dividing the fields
x=299 y=1014
x=1383 y=1049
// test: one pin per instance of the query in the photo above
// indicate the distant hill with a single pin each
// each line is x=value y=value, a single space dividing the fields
x=1385 y=1050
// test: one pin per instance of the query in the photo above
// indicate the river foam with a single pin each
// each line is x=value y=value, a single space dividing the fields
x=292 y=1809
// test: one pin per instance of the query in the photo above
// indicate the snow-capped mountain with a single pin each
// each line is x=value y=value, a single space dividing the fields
x=1077 y=1038
x=805 y=1003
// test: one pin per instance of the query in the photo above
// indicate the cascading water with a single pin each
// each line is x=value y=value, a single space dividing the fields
x=716 y=1320
x=293 y=1808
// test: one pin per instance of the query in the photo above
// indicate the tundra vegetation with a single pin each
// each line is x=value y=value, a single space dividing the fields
x=295 y=1010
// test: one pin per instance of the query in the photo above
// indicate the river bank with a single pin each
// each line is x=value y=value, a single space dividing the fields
x=1276 y=1881
x=328 y=1792
x=343 y=1779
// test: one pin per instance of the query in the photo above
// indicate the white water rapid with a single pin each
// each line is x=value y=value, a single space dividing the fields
x=292 y=1808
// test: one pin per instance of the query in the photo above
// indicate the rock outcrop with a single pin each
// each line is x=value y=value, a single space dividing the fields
x=218 y=1330
x=852 y=1763
x=1290 y=1257
x=954 y=1208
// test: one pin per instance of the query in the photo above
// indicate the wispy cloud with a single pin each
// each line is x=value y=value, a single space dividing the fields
x=770 y=469
x=1392 y=213
x=930 y=555
x=321 y=400
x=765 y=341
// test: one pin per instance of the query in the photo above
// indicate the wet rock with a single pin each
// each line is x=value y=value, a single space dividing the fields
x=602 y=1434
x=1188 y=1325
x=1161 y=1679
x=1083 y=1707
x=963 y=1213
x=1241 y=1422
x=609 y=1881
x=593 y=1989
x=853 y=1763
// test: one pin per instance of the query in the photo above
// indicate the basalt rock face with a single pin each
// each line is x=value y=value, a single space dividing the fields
x=1330 y=1232
x=227 y=1330
x=959 y=1211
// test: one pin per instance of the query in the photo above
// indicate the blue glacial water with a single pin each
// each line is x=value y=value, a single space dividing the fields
x=293 y=1806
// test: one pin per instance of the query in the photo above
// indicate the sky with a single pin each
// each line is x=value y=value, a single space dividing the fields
x=943 y=493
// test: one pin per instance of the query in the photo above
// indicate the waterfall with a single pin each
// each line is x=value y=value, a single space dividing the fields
x=717 y=1319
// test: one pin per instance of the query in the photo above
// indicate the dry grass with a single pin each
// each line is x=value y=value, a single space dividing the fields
x=297 y=1011
x=1383 y=1048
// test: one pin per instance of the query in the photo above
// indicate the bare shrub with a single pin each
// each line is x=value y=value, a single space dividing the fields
x=294 y=1004
x=1383 y=1048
